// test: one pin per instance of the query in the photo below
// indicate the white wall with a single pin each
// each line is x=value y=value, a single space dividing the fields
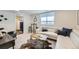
x=38 y=20
x=10 y=24
x=77 y=26
x=27 y=21
x=64 y=18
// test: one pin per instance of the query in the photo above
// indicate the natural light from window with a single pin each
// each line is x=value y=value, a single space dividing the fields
x=47 y=20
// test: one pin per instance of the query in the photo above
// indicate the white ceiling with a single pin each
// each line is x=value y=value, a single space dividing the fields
x=30 y=12
x=33 y=11
x=27 y=11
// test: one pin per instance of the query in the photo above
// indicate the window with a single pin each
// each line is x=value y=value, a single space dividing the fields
x=47 y=20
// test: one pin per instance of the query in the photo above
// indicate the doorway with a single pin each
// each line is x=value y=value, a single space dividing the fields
x=19 y=25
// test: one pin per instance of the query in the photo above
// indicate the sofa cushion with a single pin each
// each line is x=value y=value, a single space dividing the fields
x=51 y=35
x=64 y=43
x=74 y=36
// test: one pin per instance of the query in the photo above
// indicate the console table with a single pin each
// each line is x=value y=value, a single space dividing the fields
x=7 y=41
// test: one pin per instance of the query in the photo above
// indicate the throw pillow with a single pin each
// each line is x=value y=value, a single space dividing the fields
x=61 y=33
x=44 y=30
x=67 y=30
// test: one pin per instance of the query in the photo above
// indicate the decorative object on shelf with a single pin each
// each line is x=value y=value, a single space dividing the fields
x=34 y=25
x=1 y=15
x=5 y=18
x=30 y=29
x=0 y=19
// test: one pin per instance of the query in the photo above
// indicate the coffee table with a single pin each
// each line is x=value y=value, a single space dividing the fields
x=37 y=41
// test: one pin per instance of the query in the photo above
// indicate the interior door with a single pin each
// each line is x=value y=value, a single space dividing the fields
x=21 y=26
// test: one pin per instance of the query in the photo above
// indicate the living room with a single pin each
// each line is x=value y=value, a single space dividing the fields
x=34 y=24
x=39 y=29
x=50 y=29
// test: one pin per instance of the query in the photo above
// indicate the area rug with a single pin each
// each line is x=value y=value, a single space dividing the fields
x=36 y=44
